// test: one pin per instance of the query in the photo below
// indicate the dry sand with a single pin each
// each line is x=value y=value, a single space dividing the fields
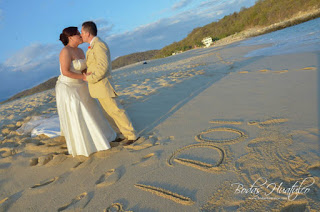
x=213 y=124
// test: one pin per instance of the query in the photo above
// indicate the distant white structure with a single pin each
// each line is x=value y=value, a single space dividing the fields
x=176 y=52
x=207 y=41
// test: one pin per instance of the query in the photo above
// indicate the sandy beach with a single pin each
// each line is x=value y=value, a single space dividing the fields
x=220 y=131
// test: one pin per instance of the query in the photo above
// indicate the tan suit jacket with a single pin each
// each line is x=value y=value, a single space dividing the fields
x=99 y=64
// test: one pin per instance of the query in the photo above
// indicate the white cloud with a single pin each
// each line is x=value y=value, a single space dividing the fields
x=168 y=30
x=28 y=67
x=181 y=4
x=32 y=56
x=155 y=38
x=104 y=25
x=212 y=3
x=101 y=21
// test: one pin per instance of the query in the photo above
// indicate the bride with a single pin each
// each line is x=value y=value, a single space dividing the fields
x=81 y=120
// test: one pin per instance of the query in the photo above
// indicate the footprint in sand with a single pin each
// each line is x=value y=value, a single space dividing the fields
x=281 y=72
x=146 y=160
x=108 y=178
x=115 y=207
x=307 y=134
x=264 y=70
x=269 y=122
x=57 y=159
x=295 y=206
x=76 y=166
x=4 y=166
x=2 y=201
x=45 y=183
x=7 y=202
x=241 y=135
x=143 y=143
x=165 y=141
x=84 y=161
x=218 y=55
x=78 y=203
x=243 y=72
x=51 y=160
x=309 y=68
x=7 y=152
x=315 y=170
x=42 y=160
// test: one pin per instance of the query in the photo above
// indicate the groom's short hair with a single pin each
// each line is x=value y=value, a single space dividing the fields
x=90 y=27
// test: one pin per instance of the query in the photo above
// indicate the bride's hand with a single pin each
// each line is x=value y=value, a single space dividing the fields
x=84 y=77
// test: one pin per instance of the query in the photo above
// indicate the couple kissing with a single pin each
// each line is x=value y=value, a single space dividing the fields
x=84 y=78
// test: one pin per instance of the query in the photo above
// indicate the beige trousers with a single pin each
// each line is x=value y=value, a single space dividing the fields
x=117 y=113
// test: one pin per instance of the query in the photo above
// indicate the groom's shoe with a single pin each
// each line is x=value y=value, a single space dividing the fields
x=117 y=140
x=129 y=142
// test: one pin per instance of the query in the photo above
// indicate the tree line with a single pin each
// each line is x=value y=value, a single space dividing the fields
x=263 y=13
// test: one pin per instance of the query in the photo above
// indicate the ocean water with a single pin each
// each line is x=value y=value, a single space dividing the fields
x=303 y=37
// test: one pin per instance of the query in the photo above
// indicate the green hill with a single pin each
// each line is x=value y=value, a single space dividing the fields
x=39 y=88
x=133 y=58
x=263 y=13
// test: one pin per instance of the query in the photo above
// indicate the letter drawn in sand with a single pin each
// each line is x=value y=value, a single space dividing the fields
x=269 y=122
x=166 y=194
x=241 y=135
x=198 y=164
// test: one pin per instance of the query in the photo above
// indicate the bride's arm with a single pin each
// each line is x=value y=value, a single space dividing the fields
x=65 y=61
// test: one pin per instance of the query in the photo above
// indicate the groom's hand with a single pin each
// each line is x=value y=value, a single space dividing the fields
x=84 y=71
x=85 y=76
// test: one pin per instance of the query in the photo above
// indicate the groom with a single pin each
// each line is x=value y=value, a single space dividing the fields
x=100 y=81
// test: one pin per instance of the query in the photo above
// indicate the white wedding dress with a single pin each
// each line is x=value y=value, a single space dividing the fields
x=82 y=122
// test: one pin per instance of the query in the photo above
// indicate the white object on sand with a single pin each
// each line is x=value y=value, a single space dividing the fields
x=47 y=125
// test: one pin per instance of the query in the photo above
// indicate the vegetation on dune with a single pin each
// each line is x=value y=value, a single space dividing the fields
x=133 y=58
x=263 y=13
x=39 y=88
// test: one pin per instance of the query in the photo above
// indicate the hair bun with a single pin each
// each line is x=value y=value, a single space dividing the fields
x=66 y=33
x=64 y=39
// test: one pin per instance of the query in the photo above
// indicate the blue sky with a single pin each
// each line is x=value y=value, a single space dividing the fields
x=30 y=30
